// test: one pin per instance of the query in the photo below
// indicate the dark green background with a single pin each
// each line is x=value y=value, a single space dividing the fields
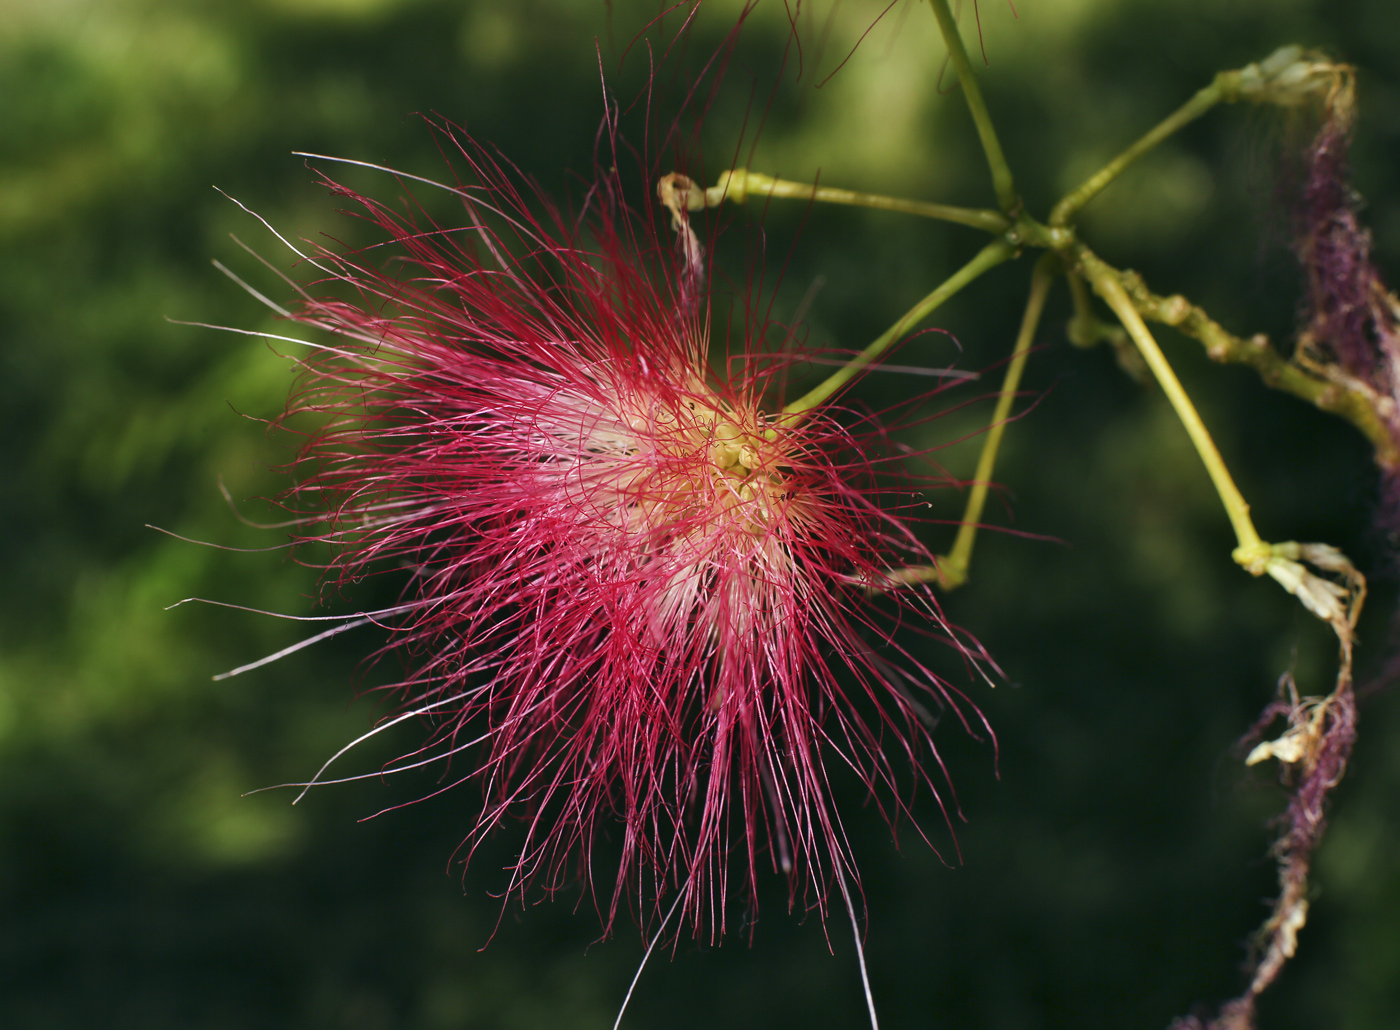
x=1112 y=871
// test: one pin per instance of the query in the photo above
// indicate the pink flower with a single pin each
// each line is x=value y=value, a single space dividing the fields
x=637 y=611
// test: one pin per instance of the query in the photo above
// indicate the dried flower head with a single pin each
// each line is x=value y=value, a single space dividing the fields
x=634 y=597
x=1352 y=330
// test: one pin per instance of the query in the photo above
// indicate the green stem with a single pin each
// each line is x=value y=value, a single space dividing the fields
x=1063 y=212
x=1287 y=77
x=996 y=160
x=1105 y=282
x=1350 y=400
x=987 y=258
x=741 y=184
x=1086 y=329
x=952 y=572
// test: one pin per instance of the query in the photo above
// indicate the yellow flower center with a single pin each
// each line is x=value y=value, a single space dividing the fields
x=698 y=457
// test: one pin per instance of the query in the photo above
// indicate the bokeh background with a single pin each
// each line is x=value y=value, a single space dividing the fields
x=1113 y=861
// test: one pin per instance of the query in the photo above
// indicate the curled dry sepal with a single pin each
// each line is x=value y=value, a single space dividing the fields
x=635 y=612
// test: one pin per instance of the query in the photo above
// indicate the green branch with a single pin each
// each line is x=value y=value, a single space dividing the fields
x=740 y=184
x=1063 y=212
x=1287 y=78
x=987 y=258
x=1351 y=400
x=950 y=572
x=1086 y=329
x=996 y=160
x=1105 y=280
x=953 y=571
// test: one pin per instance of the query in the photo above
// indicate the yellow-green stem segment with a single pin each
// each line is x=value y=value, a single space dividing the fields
x=1252 y=550
x=1064 y=211
x=987 y=258
x=740 y=184
x=952 y=571
x=1002 y=181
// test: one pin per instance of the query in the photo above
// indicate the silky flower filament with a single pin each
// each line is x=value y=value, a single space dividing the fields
x=633 y=598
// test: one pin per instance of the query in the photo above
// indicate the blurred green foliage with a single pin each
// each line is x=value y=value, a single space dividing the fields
x=1109 y=874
